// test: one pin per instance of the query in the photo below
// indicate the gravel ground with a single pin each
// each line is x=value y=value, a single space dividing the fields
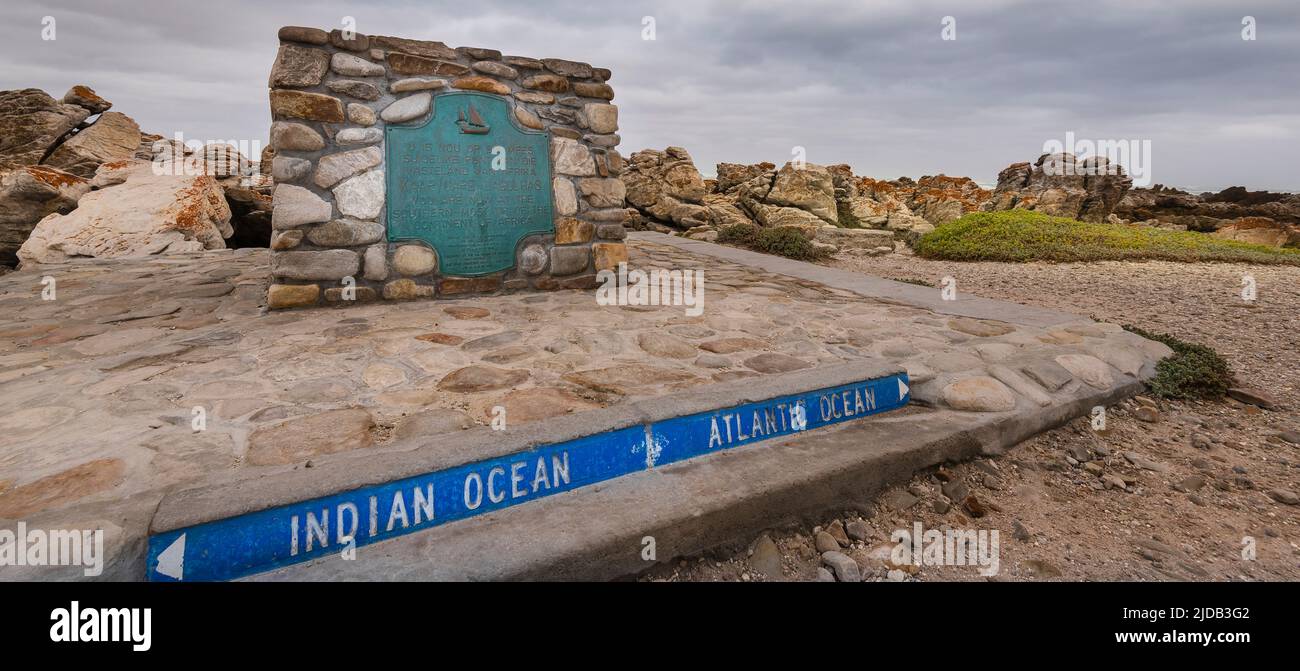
x=1168 y=491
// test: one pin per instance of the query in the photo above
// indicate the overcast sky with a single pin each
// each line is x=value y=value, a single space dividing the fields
x=870 y=83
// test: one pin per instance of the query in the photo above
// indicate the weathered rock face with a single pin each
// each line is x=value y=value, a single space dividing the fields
x=246 y=185
x=906 y=205
x=940 y=199
x=62 y=157
x=666 y=186
x=84 y=96
x=809 y=188
x=774 y=199
x=1063 y=186
x=31 y=123
x=663 y=187
x=28 y=195
x=143 y=214
x=113 y=137
x=1234 y=213
x=732 y=175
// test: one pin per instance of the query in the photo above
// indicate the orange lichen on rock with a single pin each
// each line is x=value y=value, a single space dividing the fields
x=53 y=176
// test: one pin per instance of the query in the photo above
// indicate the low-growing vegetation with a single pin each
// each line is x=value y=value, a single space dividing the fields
x=1192 y=372
x=1021 y=235
x=785 y=241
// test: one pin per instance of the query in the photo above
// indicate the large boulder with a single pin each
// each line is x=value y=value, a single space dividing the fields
x=29 y=194
x=113 y=137
x=84 y=96
x=666 y=187
x=732 y=175
x=31 y=123
x=1260 y=231
x=246 y=187
x=806 y=187
x=801 y=197
x=865 y=202
x=1063 y=186
x=940 y=199
x=142 y=213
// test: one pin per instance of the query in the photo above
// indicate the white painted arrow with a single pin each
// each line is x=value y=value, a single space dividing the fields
x=902 y=389
x=171 y=562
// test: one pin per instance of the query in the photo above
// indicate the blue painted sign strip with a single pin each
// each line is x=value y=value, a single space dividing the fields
x=255 y=542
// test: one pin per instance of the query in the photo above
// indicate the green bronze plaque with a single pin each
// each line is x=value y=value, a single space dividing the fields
x=468 y=182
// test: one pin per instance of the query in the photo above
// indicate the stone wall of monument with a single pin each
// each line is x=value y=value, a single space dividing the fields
x=332 y=99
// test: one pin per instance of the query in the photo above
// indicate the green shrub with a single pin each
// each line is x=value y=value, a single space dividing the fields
x=1191 y=372
x=741 y=235
x=784 y=241
x=1021 y=235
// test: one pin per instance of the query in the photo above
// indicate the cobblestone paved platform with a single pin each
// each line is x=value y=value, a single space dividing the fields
x=101 y=387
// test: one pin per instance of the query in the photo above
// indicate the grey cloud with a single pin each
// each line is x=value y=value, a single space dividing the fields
x=865 y=83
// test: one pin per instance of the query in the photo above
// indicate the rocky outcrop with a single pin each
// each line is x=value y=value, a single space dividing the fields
x=732 y=175
x=904 y=204
x=85 y=97
x=1260 y=231
x=47 y=153
x=808 y=189
x=940 y=199
x=1261 y=217
x=247 y=185
x=1063 y=186
x=32 y=124
x=1207 y=211
x=29 y=194
x=50 y=156
x=113 y=137
x=666 y=186
x=140 y=213
x=666 y=189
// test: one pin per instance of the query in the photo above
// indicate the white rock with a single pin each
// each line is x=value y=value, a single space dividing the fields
x=356 y=136
x=405 y=109
x=351 y=66
x=145 y=214
x=566 y=198
x=295 y=206
x=570 y=157
x=361 y=197
x=334 y=168
x=414 y=260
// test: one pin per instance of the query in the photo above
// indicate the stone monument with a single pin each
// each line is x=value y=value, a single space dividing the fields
x=408 y=169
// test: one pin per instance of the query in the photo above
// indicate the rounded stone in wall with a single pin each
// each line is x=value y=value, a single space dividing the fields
x=532 y=259
x=415 y=260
